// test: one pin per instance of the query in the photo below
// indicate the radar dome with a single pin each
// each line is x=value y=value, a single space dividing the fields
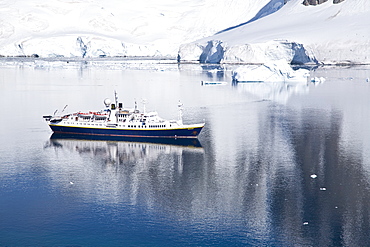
x=107 y=102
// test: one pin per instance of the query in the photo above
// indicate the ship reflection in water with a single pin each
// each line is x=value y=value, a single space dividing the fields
x=117 y=150
x=118 y=170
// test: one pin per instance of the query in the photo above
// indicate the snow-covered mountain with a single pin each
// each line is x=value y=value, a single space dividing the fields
x=205 y=30
x=326 y=33
x=114 y=27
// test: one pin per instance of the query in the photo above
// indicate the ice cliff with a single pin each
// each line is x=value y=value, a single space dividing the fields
x=216 y=51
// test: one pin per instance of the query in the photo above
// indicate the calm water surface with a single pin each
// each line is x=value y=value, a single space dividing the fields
x=276 y=164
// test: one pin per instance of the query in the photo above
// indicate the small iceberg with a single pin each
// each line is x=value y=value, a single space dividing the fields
x=317 y=80
x=204 y=83
x=276 y=71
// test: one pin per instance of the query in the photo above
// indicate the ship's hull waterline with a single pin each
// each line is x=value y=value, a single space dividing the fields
x=187 y=132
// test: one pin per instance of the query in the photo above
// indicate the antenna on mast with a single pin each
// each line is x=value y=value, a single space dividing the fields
x=144 y=102
x=64 y=108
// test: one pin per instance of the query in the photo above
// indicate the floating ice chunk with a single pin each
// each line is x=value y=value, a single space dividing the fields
x=71 y=182
x=317 y=80
x=203 y=83
x=276 y=71
x=313 y=176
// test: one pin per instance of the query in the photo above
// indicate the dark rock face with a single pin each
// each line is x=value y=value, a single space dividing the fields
x=313 y=2
x=213 y=52
x=316 y=2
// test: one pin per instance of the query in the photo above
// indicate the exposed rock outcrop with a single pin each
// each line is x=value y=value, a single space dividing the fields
x=313 y=2
x=316 y=2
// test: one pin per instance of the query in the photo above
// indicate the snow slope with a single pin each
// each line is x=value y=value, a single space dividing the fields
x=93 y=28
x=327 y=33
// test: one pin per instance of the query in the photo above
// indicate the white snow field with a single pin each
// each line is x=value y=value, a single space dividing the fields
x=92 y=28
x=215 y=31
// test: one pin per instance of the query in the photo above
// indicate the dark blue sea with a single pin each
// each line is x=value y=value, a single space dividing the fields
x=277 y=164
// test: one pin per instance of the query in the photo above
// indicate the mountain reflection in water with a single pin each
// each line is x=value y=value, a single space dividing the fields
x=276 y=91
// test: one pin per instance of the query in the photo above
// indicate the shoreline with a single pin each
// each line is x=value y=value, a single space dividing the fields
x=161 y=60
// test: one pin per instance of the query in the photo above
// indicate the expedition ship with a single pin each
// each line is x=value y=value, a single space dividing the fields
x=115 y=120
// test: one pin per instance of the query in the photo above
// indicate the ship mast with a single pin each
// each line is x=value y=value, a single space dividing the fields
x=116 y=97
x=180 y=112
x=144 y=104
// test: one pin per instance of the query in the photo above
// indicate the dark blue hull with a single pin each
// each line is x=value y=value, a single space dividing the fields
x=148 y=133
